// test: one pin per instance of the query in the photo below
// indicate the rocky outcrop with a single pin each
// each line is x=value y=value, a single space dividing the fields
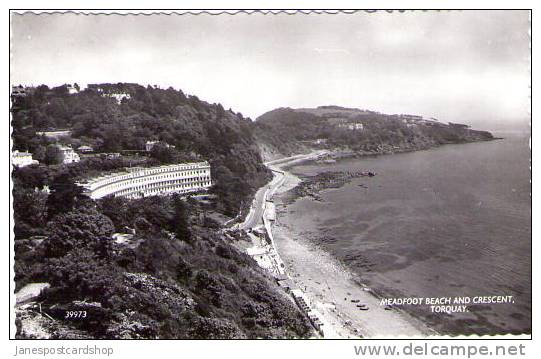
x=30 y=292
x=34 y=323
x=159 y=290
x=312 y=186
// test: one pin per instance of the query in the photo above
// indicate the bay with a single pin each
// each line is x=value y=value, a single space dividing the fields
x=450 y=221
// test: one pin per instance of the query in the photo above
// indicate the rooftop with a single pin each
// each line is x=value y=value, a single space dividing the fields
x=21 y=154
x=130 y=170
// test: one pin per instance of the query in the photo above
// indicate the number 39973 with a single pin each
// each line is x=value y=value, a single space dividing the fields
x=75 y=314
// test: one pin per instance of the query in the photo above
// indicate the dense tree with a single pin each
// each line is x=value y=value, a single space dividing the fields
x=77 y=229
x=29 y=211
x=39 y=153
x=53 y=155
x=145 y=287
x=64 y=194
x=180 y=220
x=164 y=153
x=289 y=131
x=30 y=177
x=81 y=274
x=184 y=270
x=118 y=210
x=197 y=129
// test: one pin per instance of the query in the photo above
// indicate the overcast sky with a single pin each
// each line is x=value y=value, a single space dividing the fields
x=470 y=67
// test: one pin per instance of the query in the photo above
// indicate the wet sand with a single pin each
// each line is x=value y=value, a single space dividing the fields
x=332 y=287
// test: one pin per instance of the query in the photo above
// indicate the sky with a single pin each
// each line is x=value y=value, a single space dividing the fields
x=460 y=66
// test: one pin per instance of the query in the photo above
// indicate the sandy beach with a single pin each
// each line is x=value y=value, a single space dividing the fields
x=331 y=287
x=347 y=309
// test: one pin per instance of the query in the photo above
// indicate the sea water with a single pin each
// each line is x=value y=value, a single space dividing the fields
x=454 y=221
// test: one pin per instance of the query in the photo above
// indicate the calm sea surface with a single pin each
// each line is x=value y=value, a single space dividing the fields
x=451 y=221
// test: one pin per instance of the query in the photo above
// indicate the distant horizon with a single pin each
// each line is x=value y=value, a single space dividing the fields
x=470 y=67
x=526 y=128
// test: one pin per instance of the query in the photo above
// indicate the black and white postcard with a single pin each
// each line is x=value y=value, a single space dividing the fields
x=271 y=175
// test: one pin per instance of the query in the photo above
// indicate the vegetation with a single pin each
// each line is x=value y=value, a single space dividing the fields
x=175 y=278
x=51 y=155
x=173 y=273
x=287 y=131
x=188 y=129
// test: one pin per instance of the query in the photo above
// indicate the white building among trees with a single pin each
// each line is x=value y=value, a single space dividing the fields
x=72 y=89
x=352 y=126
x=22 y=159
x=85 y=149
x=55 y=134
x=68 y=154
x=149 y=145
x=18 y=91
x=119 y=96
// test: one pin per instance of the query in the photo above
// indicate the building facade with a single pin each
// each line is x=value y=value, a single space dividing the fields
x=119 y=97
x=69 y=155
x=56 y=134
x=149 y=145
x=140 y=182
x=356 y=126
x=72 y=90
x=21 y=159
x=18 y=91
x=85 y=149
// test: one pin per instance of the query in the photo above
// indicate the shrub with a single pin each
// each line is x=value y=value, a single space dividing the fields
x=81 y=228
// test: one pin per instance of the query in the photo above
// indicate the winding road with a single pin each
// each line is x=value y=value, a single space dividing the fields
x=254 y=218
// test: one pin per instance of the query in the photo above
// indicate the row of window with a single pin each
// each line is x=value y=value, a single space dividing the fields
x=134 y=179
x=139 y=191
x=171 y=168
x=182 y=182
x=137 y=172
x=142 y=194
x=152 y=187
x=147 y=180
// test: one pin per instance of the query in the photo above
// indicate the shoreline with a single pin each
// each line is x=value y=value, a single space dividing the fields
x=345 y=310
x=328 y=283
x=340 y=154
x=312 y=269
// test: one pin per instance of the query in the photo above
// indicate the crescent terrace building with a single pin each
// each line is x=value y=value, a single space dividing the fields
x=152 y=181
